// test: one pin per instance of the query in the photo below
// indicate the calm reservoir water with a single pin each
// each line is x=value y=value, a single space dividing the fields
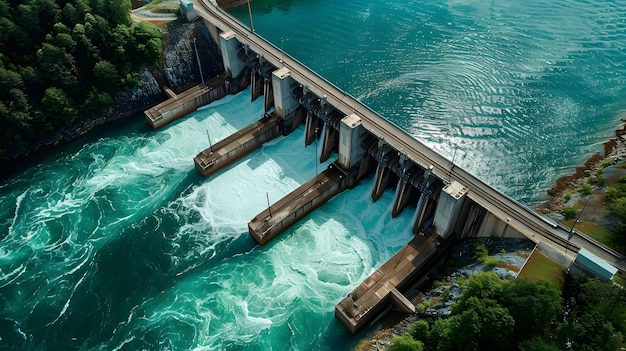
x=117 y=243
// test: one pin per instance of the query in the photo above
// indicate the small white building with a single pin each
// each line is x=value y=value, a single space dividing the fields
x=187 y=11
x=593 y=265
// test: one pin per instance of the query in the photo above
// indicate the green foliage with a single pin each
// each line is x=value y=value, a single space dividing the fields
x=622 y=179
x=491 y=261
x=616 y=192
x=595 y=320
x=446 y=295
x=494 y=314
x=585 y=189
x=537 y=344
x=618 y=207
x=567 y=196
x=569 y=212
x=405 y=343
x=57 y=103
x=606 y=162
x=480 y=251
x=616 y=197
x=601 y=181
x=62 y=61
x=599 y=172
x=420 y=330
x=424 y=306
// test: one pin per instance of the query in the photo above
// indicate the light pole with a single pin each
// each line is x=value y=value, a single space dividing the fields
x=316 y=159
x=282 y=50
x=250 y=13
x=571 y=231
x=210 y=145
x=199 y=64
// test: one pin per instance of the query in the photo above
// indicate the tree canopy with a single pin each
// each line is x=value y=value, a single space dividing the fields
x=63 y=61
x=497 y=314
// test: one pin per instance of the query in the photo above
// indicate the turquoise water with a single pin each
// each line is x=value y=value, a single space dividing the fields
x=524 y=91
x=117 y=243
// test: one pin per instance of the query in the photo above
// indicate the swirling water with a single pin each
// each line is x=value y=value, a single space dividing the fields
x=119 y=244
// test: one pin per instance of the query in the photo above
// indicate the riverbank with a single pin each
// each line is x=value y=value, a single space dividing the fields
x=434 y=298
x=584 y=193
x=614 y=149
x=177 y=70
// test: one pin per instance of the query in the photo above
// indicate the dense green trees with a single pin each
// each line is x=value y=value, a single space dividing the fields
x=498 y=314
x=63 y=61
x=616 y=204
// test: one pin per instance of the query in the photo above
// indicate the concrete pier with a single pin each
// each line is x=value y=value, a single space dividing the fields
x=186 y=102
x=237 y=145
x=285 y=103
x=448 y=207
x=300 y=202
x=385 y=287
x=233 y=65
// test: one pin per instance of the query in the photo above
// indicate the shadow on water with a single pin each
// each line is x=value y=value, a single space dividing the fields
x=134 y=124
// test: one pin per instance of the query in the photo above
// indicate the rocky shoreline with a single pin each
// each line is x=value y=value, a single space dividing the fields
x=512 y=253
x=615 y=148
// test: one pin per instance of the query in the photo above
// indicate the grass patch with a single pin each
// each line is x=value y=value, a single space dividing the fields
x=155 y=3
x=163 y=6
x=541 y=267
x=595 y=231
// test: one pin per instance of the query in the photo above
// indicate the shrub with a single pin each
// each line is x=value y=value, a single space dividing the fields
x=446 y=295
x=569 y=212
x=405 y=343
x=420 y=330
x=622 y=179
x=480 y=251
x=601 y=181
x=491 y=261
x=600 y=171
x=424 y=306
x=567 y=196
x=585 y=189
x=606 y=162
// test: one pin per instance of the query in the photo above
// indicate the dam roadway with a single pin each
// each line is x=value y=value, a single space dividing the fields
x=526 y=221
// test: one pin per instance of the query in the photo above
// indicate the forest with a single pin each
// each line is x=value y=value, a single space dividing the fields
x=62 y=62
x=499 y=314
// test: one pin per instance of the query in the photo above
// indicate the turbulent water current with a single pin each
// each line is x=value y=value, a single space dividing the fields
x=117 y=243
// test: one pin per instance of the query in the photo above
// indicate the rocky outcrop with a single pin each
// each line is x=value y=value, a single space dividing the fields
x=180 y=64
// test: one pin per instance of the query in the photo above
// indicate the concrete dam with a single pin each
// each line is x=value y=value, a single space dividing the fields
x=449 y=203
